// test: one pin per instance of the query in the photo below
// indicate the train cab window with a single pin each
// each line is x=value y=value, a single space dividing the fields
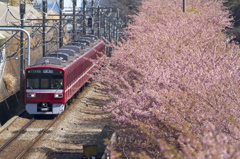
x=32 y=83
x=44 y=79
x=44 y=83
x=57 y=82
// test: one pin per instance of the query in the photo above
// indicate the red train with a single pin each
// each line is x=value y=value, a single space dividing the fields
x=56 y=78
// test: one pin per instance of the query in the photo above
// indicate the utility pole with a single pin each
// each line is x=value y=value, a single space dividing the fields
x=44 y=9
x=22 y=41
x=61 y=25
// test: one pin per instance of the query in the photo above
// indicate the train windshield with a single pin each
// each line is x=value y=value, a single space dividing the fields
x=57 y=82
x=52 y=82
x=33 y=83
x=43 y=80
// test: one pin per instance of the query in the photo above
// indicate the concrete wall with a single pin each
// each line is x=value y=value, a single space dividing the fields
x=9 y=108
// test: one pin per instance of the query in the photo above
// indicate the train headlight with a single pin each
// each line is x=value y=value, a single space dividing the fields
x=58 y=95
x=31 y=95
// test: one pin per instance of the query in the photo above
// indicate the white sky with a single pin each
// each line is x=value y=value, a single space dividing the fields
x=67 y=3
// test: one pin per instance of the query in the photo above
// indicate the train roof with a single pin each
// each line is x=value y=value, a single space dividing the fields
x=81 y=45
x=70 y=52
x=65 y=55
x=71 y=47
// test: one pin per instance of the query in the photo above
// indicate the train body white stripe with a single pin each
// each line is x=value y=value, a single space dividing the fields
x=44 y=90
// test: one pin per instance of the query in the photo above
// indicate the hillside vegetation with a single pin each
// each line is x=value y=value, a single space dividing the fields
x=174 y=83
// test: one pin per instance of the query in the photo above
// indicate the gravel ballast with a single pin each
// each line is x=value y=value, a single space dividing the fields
x=82 y=124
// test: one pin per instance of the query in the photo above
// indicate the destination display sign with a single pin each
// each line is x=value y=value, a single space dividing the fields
x=44 y=71
x=47 y=71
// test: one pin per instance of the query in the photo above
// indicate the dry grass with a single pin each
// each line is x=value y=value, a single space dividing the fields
x=10 y=82
x=17 y=2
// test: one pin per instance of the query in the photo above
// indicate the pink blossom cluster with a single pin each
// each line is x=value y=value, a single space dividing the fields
x=175 y=83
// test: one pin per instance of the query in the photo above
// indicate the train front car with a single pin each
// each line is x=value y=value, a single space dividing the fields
x=44 y=90
x=56 y=79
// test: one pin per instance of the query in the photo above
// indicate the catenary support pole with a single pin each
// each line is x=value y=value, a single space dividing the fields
x=44 y=9
x=61 y=24
x=92 y=28
x=28 y=43
x=99 y=20
x=74 y=20
x=84 y=17
x=22 y=62
x=184 y=5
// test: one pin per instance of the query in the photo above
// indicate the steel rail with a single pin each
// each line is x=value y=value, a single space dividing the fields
x=17 y=134
x=30 y=145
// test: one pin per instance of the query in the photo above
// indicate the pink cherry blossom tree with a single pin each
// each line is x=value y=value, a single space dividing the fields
x=175 y=83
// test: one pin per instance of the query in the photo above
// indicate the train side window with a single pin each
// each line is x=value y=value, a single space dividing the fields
x=84 y=67
x=89 y=63
x=71 y=77
x=74 y=74
x=79 y=69
x=67 y=80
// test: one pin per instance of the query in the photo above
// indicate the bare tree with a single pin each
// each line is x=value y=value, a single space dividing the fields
x=128 y=7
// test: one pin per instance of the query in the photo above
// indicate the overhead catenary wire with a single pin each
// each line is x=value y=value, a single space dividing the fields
x=51 y=8
x=4 y=13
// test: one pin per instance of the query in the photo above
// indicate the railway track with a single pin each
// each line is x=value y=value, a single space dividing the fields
x=20 y=136
x=82 y=129
x=23 y=138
